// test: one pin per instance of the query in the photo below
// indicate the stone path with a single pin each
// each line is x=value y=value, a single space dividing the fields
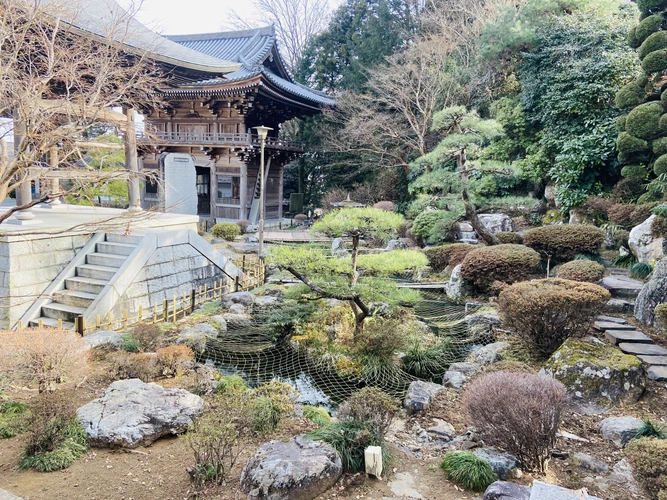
x=632 y=341
x=624 y=291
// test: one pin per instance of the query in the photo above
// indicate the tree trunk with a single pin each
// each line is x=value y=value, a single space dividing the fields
x=355 y=255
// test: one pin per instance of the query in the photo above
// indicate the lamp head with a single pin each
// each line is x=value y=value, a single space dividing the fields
x=262 y=131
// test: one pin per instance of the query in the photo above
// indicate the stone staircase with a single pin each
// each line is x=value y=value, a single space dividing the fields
x=79 y=291
x=632 y=341
x=624 y=291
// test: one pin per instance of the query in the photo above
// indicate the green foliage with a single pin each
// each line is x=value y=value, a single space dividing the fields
x=391 y=263
x=370 y=222
x=226 y=230
x=13 y=418
x=648 y=458
x=232 y=385
x=435 y=226
x=651 y=6
x=381 y=340
x=370 y=405
x=655 y=62
x=660 y=165
x=644 y=121
x=316 y=414
x=581 y=270
x=625 y=261
x=629 y=144
x=640 y=270
x=563 y=242
x=467 y=470
x=659 y=146
x=505 y=263
x=445 y=256
x=660 y=210
x=620 y=124
x=650 y=429
x=350 y=438
x=54 y=444
x=661 y=315
x=424 y=360
x=632 y=93
x=646 y=28
x=129 y=344
x=634 y=171
x=269 y=404
x=656 y=41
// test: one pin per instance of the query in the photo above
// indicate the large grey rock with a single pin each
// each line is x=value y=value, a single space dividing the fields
x=453 y=379
x=441 y=430
x=657 y=373
x=482 y=319
x=219 y=323
x=236 y=321
x=652 y=293
x=299 y=469
x=6 y=495
x=237 y=309
x=419 y=395
x=195 y=337
x=502 y=490
x=497 y=223
x=620 y=430
x=465 y=368
x=502 y=463
x=488 y=354
x=266 y=301
x=338 y=248
x=243 y=298
x=597 y=373
x=105 y=338
x=456 y=287
x=589 y=463
x=644 y=245
x=545 y=491
x=395 y=245
x=131 y=412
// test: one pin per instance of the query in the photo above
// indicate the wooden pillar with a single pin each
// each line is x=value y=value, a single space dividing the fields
x=214 y=190
x=131 y=160
x=243 y=195
x=280 y=192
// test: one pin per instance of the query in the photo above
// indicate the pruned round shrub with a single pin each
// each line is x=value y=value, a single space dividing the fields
x=388 y=206
x=655 y=41
x=467 y=470
x=634 y=172
x=434 y=226
x=504 y=263
x=661 y=315
x=317 y=415
x=226 y=230
x=149 y=338
x=564 y=241
x=632 y=93
x=172 y=360
x=627 y=143
x=644 y=120
x=581 y=270
x=372 y=405
x=659 y=146
x=620 y=214
x=651 y=6
x=620 y=123
x=660 y=165
x=510 y=237
x=648 y=458
x=243 y=225
x=231 y=385
x=629 y=189
x=518 y=412
x=445 y=256
x=547 y=312
x=655 y=62
x=646 y=28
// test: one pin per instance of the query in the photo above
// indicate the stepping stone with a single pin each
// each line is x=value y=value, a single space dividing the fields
x=622 y=286
x=620 y=306
x=611 y=319
x=658 y=373
x=618 y=336
x=654 y=360
x=608 y=325
x=645 y=349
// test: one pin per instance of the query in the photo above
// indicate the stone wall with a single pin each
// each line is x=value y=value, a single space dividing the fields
x=28 y=264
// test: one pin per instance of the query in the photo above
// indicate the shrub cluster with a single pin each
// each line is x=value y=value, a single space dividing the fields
x=123 y=365
x=648 y=458
x=370 y=404
x=563 y=242
x=445 y=256
x=581 y=270
x=547 y=312
x=467 y=470
x=620 y=214
x=149 y=338
x=226 y=230
x=173 y=360
x=316 y=414
x=13 y=419
x=517 y=411
x=434 y=226
x=381 y=339
x=499 y=263
x=510 y=237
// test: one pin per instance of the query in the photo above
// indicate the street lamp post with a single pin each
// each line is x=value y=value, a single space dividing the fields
x=262 y=132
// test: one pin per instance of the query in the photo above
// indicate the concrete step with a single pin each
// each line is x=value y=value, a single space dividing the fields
x=132 y=239
x=106 y=259
x=619 y=306
x=97 y=272
x=618 y=336
x=115 y=248
x=611 y=319
x=622 y=286
x=74 y=298
x=62 y=311
x=658 y=373
x=644 y=349
x=608 y=325
x=654 y=360
x=81 y=284
x=51 y=323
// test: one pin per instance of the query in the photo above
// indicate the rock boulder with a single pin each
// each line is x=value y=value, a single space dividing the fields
x=106 y=338
x=395 y=245
x=488 y=354
x=131 y=412
x=501 y=463
x=299 y=469
x=597 y=373
x=502 y=490
x=643 y=244
x=497 y=223
x=652 y=293
x=419 y=395
x=243 y=298
x=620 y=430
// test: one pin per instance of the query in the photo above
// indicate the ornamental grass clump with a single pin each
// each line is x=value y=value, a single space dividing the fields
x=562 y=242
x=467 y=470
x=13 y=418
x=581 y=270
x=517 y=412
x=546 y=312
x=505 y=263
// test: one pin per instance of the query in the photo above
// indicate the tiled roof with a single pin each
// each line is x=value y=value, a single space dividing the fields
x=250 y=48
x=106 y=18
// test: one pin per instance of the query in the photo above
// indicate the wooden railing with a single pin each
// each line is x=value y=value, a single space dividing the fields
x=221 y=139
x=254 y=273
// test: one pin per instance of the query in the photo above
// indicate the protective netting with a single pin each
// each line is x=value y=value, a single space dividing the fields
x=252 y=351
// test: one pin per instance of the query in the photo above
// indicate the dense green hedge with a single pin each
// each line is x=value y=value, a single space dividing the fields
x=644 y=120
x=563 y=242
x=657 y=41
x=645 y=29
x=660 y=165
x=505 y=263
x=632 y=94
x=633 y=172
x=630 y=144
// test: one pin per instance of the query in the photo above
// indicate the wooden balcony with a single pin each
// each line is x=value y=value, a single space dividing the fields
x=218 y=140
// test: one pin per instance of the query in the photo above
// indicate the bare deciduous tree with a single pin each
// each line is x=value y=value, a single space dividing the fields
x=296 y=21
x=57 y=81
